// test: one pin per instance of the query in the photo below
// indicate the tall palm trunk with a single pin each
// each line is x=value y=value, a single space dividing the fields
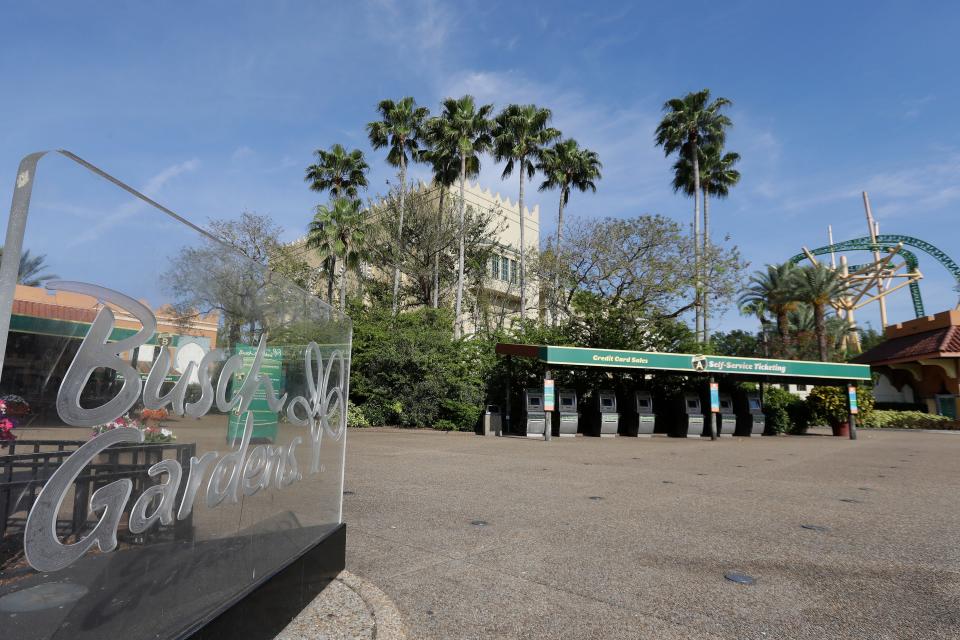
x=331 y=277
x=457 y=327
x=435 y=301
x=696 y=236
x=783 y=330
x=523 y=247
x=399 y=246
x=820 y=324
x=555 y=296
x=343 y=282
x=705 y=253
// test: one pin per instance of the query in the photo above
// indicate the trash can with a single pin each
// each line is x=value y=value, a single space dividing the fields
x=641 y=420
x=566 y=418
x=534 y=416
x=750 y=418
x=691 y=416
x=726 y=419
x=606 y=420
x=492 y=421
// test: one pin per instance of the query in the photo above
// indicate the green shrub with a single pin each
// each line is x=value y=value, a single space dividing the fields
x=409 y=371
x=881 y=419
x=355 y=417
x=828 y=405
x=785 y=412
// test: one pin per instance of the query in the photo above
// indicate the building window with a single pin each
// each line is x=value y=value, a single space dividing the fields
x=495 y=267
x=801 y=387
x=513 y=271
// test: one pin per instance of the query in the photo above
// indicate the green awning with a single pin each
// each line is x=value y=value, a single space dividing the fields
x=686 y=363
x=64 y=328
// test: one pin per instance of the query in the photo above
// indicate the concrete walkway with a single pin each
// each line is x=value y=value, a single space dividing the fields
x=477 y=537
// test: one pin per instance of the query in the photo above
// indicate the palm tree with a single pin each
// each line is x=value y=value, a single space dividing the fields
x=758 y=309
x=690 y=123
x=717 y=176
x=342 y=173
x=462 y=129
x=443 y=156
x=399 y=129
x=520 y=134
x=818 y=286
x=566 y=166
x=337 y=232
x=30 y=273
x=773 y=290
x=351 y=222
x=338 y=171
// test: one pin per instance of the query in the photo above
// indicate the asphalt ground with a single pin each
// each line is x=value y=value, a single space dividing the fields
x=475 y=537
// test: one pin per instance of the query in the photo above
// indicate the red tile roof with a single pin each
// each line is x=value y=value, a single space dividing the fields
x=939 y=343
x=53 y=311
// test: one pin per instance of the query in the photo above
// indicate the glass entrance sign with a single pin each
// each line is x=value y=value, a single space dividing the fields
x=172 y=414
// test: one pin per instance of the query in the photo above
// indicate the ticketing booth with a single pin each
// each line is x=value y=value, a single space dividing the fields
x=690 y=423
x=750 y=418
x=639 y=419
x=533 y=413
x=727 y=418
x=679 y=416
x=565 y=418
x=605 y=419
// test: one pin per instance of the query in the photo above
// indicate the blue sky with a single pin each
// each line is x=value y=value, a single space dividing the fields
x=216 y=107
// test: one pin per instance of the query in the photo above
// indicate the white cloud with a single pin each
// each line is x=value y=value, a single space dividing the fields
x=241 y=153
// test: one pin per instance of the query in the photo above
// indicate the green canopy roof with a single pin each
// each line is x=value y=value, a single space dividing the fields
x=687 y=363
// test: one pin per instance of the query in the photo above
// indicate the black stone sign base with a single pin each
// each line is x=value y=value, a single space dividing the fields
x=263 y=612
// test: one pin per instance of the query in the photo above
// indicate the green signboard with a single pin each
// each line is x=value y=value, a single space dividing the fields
x=610 y=358
x=264 y=420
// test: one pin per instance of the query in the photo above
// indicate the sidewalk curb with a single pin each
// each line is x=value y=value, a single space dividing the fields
x=387 y=619
x=349 y=608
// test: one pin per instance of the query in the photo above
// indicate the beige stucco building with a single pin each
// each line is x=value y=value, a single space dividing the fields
x=501 y=293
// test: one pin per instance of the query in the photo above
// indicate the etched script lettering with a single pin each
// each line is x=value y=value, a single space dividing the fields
x=243 y=471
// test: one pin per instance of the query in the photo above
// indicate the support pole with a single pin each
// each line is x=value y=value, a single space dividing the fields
x=506 y=409
x=713 y=416
x=548 y=415
x=852 y=420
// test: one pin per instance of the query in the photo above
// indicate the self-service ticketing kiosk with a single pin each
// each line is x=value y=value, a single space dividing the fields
x=535 y=417
x=726 y=419
x=565 y=418
x=750 y=418
x=606 y=420
x=641 y=420
x=691 y=416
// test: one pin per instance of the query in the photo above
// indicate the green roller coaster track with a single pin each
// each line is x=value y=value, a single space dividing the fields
x=885 y=243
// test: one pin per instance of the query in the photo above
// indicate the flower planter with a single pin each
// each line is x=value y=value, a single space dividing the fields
x=841 y=429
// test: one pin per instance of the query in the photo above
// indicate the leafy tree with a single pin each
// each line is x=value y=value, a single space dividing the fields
x=520 y=134
x=462 y=129
x=566 y=166
x=639 y=265
x=818 y=286
x=737 y=343
x=338 y=171
x=399 y=130
x=227 y=274
x=691 y=123
x=432 y=235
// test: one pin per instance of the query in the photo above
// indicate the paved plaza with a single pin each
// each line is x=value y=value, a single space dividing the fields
x=476 y=537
